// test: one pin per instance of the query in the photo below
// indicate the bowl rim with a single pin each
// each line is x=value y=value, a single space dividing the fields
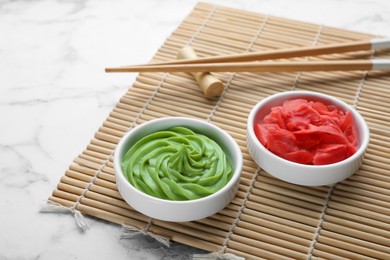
x=359 y=120
x=236 y=156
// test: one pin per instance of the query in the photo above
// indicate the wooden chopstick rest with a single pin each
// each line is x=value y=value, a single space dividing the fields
x=210 y=85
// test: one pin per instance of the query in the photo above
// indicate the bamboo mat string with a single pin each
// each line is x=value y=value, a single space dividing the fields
x=330 y=191
x=58 y=208
x=203 y=25
x=332 y=188
x=240 y=211
x=233 y=75
x=216 y=255
x=127 y=230
x=78 y=201
x=221 y=254
x=54 y=207
x=315 y=42
x=130 y=232
x=320 y=222
x=359 y=90
x=362 y=82
x=151 y=98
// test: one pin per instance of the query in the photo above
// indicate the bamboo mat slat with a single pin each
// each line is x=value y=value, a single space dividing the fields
x=269 y=218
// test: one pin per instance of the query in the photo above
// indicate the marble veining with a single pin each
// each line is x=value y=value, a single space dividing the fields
x=54 y=94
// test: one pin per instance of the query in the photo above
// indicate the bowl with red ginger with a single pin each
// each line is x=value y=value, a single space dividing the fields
x=306 y=138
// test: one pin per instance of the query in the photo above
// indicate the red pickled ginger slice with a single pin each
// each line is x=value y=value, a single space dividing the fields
x=275 y=139
x=349 y=129
x=330 y=153
x=300 y=156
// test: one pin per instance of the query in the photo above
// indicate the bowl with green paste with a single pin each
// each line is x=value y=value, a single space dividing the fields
x=177 y=168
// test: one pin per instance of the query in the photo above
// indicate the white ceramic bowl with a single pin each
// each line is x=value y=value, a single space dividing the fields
x=309 y=175
x=178 y=211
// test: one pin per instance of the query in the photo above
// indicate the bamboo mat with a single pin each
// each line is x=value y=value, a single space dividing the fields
x=268 y=218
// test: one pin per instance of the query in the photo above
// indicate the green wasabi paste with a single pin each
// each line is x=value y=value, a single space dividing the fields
x=177 y=164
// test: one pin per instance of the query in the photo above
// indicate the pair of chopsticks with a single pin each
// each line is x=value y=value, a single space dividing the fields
x=254 y=61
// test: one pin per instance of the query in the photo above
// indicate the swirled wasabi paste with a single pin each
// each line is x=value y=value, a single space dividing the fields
x=177 y=164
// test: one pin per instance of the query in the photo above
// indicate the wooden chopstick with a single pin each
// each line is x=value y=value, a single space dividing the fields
x=266 y=66
x=244 y=62
x=373 y=44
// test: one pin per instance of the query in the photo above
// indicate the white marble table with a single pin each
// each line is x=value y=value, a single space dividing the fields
x=54 y=95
